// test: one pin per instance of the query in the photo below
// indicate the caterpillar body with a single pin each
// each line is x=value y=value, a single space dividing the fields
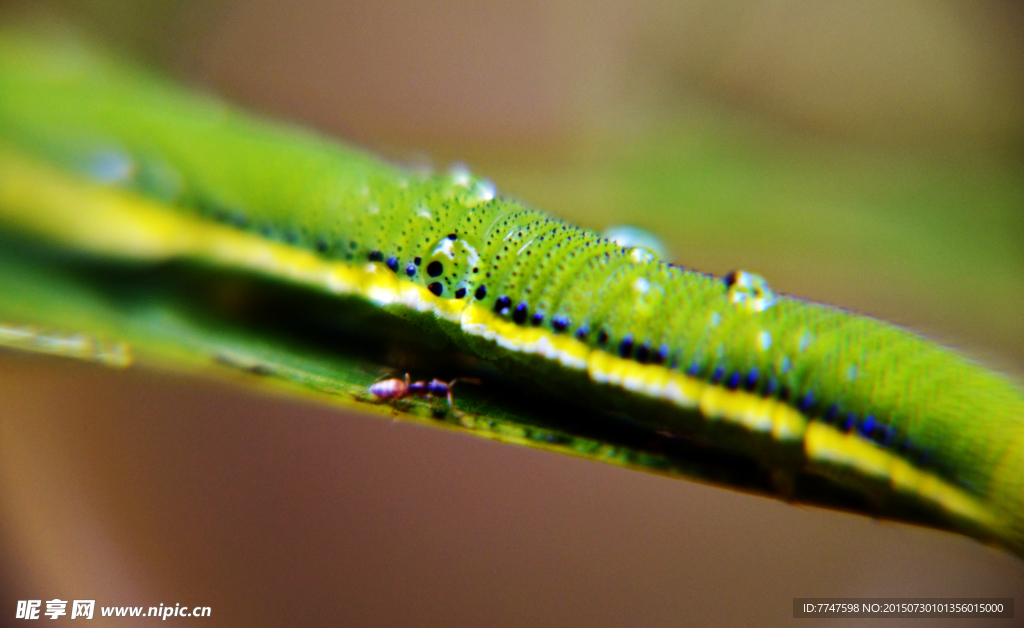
x=798 y=386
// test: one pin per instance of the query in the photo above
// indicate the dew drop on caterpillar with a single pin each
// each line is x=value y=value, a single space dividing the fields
x=801 y=388
x=629 y=237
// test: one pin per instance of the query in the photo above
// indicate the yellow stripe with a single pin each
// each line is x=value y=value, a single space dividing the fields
x=830 y=447
x=107 y=221
x=50 y=204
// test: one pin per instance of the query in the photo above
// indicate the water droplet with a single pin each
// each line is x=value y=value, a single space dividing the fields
x=445 y=247
x=641 y=255
x=634 y=238
x=112 y=166
x=641 y=285
x=482 y=192
x=749 y=291
x=765 y=340
x=459 y=175
x=454 y=258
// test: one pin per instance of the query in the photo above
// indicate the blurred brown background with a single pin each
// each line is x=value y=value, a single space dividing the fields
x=142 y=488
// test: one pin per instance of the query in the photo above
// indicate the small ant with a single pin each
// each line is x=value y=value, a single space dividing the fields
x=395 y=389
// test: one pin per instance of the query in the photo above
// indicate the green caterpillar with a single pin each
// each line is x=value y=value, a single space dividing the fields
x=799 y=387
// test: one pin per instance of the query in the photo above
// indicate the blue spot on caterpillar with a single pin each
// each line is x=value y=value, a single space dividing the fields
x=800 y=388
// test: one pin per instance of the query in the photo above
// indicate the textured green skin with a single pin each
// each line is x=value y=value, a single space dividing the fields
x=201 y=156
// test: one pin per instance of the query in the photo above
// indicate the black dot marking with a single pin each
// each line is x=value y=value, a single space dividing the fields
x=410 y=270
x=734 y=381
x=807 y=402
x=376 y=256
x=291 y=236
x=884 y=435
x=267 y=230
x=322 y=245
x=730 y=279
x=452 y=236
x=851 y=420
x=643 y=352
x=537 y=319
x=784 y=393
x=481 y=292
x=867 y=426
x=559 y=323
x=476 y=270
x=661 y=355
x=602 y=337
x=830 y=414
x=435 y=268
x=752 y=376
x=417 y=260
x=519 y=315
x=770 y=389
x=583 y=331
x=626 y=346
x=717 y=375
x=436 y=288
x=460 y=293
x=694 y=369
x=392 y=264
x=503 y=303
x=352 y=244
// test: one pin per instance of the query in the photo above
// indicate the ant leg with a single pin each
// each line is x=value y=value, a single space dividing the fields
x=451 y=402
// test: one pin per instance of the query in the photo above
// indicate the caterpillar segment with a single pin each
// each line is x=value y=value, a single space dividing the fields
x=798 y=386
